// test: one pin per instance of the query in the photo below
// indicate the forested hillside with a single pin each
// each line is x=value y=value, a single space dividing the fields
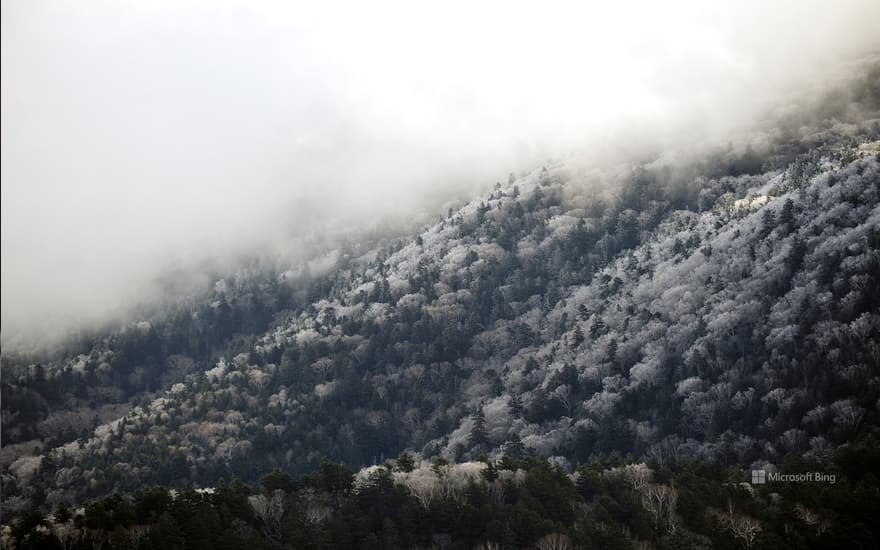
x=707 y=316
x=508 y=503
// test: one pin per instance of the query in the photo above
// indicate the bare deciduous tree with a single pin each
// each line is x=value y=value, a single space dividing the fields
x=554 y=541
x=744 y=528
x=813 y=519
x=269 y=510
x=660 y=501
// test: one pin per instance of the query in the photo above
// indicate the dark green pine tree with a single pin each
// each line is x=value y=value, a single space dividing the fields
x=516 y=405
x=583 y=313
x=514 y=448
x=479 y=435
x=490 y=472
x=768 y=223
x=62 y=513
x=786 y=217
x=405 y=462
x=597 y=328
x=578 y=337
x=678 y=247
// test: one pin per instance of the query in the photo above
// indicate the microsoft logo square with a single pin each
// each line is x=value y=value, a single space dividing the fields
x=759 y=477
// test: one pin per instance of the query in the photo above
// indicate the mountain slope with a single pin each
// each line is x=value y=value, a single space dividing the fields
x=715 y=304
x=738 y=324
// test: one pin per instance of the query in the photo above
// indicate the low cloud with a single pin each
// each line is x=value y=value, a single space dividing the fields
x=140 y=138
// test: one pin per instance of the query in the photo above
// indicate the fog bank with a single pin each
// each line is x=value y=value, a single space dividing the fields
x=139 y=137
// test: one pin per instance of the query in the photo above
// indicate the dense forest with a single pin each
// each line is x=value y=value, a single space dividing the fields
x=607 y=503
x=578 y=358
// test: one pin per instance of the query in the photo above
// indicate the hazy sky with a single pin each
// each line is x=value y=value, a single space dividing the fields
x=139 y=135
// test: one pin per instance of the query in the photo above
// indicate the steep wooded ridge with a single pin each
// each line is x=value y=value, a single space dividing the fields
x=723 y=309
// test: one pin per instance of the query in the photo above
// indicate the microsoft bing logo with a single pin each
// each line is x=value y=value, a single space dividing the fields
x=762 y=477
